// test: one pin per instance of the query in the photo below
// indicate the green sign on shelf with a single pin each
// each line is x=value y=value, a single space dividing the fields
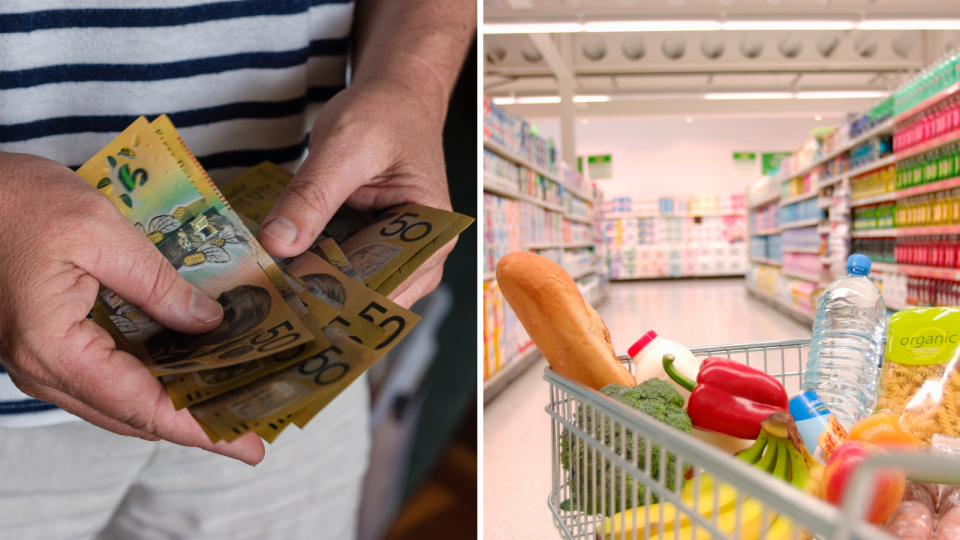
x=600 y=167
x=770 y=162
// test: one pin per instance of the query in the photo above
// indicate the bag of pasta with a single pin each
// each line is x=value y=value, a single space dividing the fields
x=920 y=378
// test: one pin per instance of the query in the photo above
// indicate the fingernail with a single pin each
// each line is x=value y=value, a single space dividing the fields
x=282 y=229
x=204 y=308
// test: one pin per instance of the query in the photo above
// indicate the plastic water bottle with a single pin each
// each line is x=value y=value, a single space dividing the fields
x=847 y=346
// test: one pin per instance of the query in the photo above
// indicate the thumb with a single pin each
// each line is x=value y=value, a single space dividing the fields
x=123 y=260
x=322 y=183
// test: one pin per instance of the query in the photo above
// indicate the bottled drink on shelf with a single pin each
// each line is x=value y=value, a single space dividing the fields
x=845 y=352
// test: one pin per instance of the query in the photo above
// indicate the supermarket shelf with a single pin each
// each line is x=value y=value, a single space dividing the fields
x=514 y=368
x=505 y=153
x=906 y=231
x=489 y=275
x=679 y=276
x=789 y=249
x=766 y=232
x=825 y=203
x=764 y=260
x=577 y=218
x=554 y=245
x=932 y=100
x=584 y=273
x=579 y=194
x=798 y=198
x=830 y=181
x=765 y=201
x=932 y=187
x=825 y=260
x=802 y=277
x=503 y=192
x=823 y=229
x=628 y=215
x=799 y=224
x=948 y=274
x=946 y=138
x=882 y=162
x=801 y=315
x=885 y=127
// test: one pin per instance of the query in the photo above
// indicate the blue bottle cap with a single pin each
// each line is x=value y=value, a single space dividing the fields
x=858 y=265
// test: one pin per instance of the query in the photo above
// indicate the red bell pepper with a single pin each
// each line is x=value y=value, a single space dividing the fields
x=729 y=397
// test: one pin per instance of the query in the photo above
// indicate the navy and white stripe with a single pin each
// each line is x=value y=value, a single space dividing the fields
x=241 y=79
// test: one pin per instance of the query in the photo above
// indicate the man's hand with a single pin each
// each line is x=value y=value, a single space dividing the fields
x=59 y=239
x=378 y=144
x=372 y=146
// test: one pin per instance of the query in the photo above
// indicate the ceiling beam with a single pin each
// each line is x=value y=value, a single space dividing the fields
x=552 y=57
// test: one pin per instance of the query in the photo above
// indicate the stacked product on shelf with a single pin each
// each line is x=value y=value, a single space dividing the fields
x=766 y=249
x=504 y=338
x=516 y=136
x=645 y=239
x=892 y=185
x=501 y=232
x=532 y=202
x=795 y=296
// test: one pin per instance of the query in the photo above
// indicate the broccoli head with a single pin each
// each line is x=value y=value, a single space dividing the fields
x=594 y=479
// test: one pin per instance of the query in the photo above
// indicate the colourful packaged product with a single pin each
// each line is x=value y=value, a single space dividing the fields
x=819 y=429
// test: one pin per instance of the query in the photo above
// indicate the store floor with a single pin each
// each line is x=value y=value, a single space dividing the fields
x=516 y=429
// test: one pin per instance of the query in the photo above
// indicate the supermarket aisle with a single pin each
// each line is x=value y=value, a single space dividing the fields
x=516 y=430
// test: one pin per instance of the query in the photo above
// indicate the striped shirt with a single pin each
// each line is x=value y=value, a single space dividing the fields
x=241 y=79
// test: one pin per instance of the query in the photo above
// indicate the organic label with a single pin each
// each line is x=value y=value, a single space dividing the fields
x=924 y=336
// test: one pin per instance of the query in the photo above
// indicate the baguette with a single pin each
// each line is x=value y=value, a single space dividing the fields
x=567 y=330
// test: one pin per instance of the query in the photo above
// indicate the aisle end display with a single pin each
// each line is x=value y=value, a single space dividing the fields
x=697 y=235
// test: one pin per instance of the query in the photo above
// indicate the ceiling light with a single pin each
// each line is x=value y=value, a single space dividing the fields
x=818 y=118
x=590 y=99
x=916 y=24
x=788 y=25
x=504 y=100
x=688 y=119
x=538 y=99
x=533 y=28
x=840 y=95
x=750 y=95
x=650 y=26
x=584 y=120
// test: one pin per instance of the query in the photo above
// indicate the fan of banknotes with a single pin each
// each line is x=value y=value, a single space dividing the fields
x=296 y=332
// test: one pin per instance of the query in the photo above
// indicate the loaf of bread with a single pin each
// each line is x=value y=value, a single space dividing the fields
x=568 y=331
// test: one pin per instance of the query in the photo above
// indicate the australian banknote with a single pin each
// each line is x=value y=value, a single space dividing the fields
x=377 y=321
x=269 y=403
x=143 y=178
x=388 y=250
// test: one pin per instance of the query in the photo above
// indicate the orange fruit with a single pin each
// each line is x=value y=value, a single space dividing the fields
x=883 y=429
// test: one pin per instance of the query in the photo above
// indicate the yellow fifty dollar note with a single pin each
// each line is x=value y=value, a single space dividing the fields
x=271 y=401
x=383 y=247
x=378 y=321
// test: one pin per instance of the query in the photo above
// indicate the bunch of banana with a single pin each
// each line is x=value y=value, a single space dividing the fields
x=778 y=450
x=667 y=521
x=786 y=456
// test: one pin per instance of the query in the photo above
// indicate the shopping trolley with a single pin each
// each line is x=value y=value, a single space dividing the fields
x=614 y=439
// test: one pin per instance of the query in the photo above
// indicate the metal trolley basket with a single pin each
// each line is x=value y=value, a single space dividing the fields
x=615 y=444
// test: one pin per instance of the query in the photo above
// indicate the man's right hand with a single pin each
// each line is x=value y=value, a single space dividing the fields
x=59 y=239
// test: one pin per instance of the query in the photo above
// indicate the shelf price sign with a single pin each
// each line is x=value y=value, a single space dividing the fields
x=599 y=167
x=745 y=163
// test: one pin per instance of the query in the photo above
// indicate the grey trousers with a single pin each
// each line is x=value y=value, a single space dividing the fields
x=77 y=481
